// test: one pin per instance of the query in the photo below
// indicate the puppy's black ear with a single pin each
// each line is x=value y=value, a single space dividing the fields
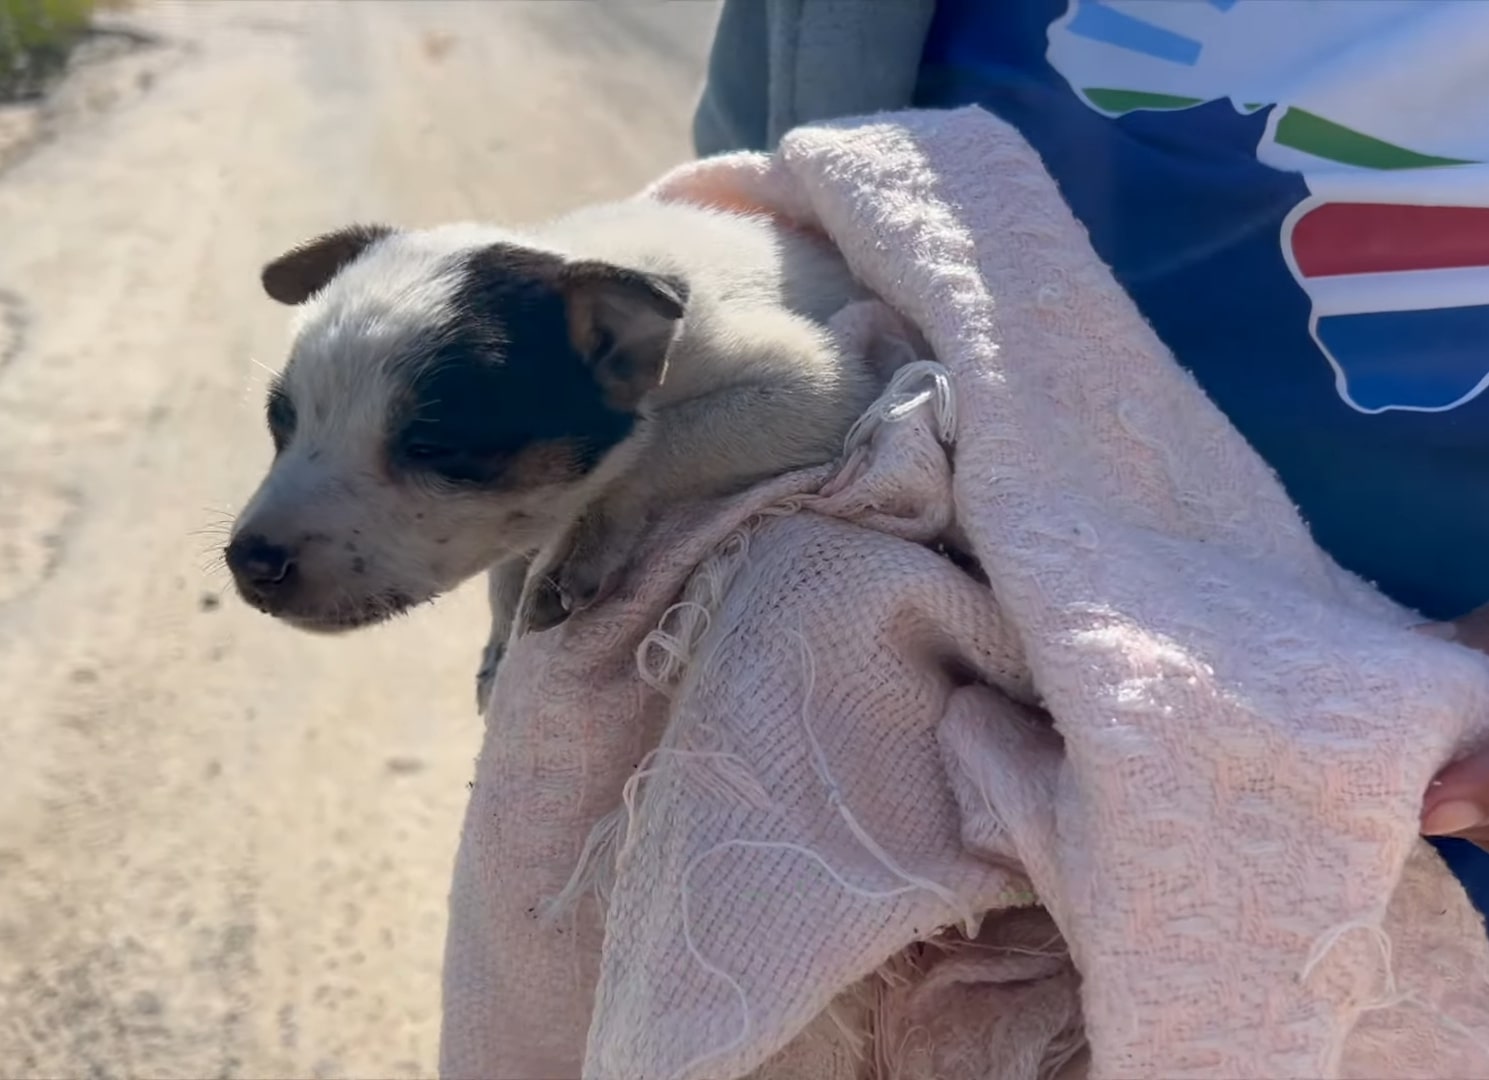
x=623 y=322
x=301 y=272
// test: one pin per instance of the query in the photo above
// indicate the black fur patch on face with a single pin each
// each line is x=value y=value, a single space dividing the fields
x=503 y=379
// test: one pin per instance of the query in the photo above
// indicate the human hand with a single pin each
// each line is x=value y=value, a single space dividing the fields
x=1457 y=801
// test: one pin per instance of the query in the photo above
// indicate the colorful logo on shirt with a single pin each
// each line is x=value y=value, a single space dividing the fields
x=1397 y=267
x=1126 y=57
x=1400 y=299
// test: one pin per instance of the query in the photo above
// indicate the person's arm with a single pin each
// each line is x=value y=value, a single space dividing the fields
x=778 y=64
x=734 y=111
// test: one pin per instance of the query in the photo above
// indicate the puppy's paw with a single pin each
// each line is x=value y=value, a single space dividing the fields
x=582 y=571
x=588 y=578
x=544 y=605
x=572 y=587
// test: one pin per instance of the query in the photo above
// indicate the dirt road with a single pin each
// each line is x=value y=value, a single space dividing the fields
x=224 y=845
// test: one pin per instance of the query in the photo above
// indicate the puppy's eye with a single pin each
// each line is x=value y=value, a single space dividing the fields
x=429 y=452
x=456 y=464
x=449 y=461
x=280 y=413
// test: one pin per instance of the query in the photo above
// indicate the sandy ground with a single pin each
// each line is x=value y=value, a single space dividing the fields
x=225 y=846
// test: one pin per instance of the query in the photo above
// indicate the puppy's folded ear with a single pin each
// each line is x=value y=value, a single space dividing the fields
x=623 y=322
x=301 y=272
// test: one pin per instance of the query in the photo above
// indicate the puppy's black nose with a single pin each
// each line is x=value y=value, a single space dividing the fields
x=260 y=567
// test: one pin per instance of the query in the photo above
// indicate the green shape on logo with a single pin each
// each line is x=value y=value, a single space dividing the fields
x=1322 y=138
x=1122 y=101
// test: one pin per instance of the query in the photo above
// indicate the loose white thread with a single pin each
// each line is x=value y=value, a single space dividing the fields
x=1391 y=996
x=969 y=919
x=728 y=777
x=899 y=401
x=1331 y=937
x=664 y=653
x=594 y=871
x=713 y=969
x=912 y=882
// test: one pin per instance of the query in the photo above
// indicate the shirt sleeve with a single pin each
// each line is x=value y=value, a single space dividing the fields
x=777 y=64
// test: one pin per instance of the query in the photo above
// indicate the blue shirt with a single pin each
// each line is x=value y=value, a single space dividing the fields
x=1292 y=194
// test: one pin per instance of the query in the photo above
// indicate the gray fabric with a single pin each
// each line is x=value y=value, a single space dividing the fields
x=777 y=64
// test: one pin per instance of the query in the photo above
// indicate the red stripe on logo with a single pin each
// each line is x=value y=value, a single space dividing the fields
x=1376 y=238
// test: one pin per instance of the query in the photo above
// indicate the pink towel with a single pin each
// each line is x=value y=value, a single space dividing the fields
x=1142 y=805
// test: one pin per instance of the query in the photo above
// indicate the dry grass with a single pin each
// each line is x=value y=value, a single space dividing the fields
x=35 y=36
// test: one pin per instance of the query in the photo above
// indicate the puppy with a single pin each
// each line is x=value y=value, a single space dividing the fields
x=467 y=398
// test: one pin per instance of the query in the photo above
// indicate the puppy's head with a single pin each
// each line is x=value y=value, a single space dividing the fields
x=450 y=399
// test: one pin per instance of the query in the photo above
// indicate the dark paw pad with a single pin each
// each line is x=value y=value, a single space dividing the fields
x=547 y=607
x=584 y=587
